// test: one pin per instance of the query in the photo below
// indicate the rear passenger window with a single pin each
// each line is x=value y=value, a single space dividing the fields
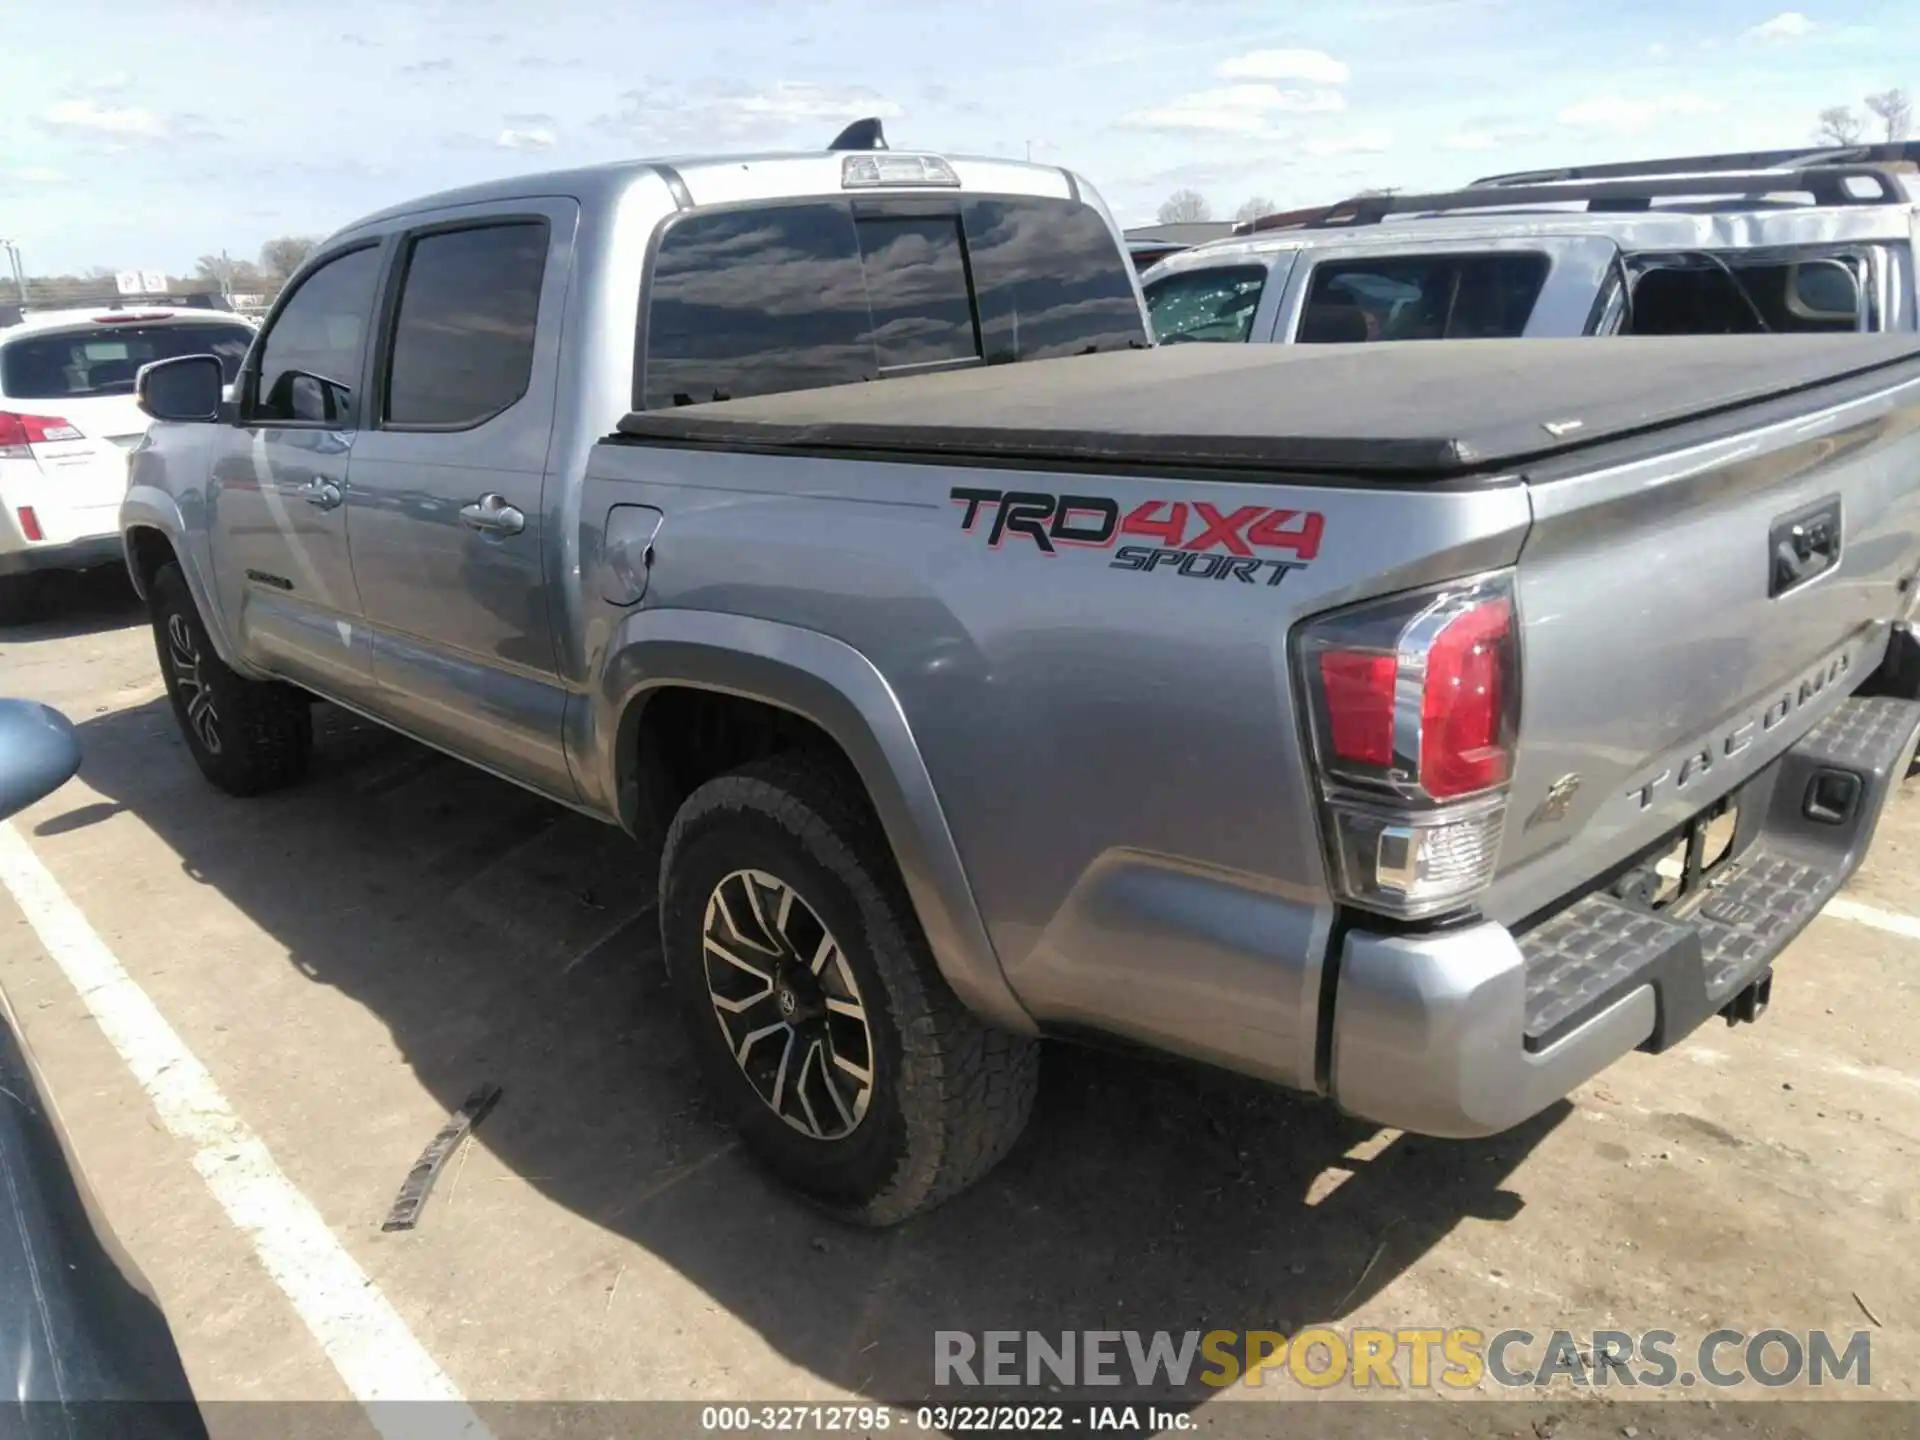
x=757 y=302
x=1705 y=293
x=917 y=290
x=1211 y=304
x=463 y=337
x=1422 y=297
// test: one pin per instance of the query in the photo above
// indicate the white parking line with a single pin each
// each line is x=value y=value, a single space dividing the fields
x=1845 y=909
x=365 y=1338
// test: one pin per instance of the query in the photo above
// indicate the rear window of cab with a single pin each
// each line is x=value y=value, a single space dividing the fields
x=769 y=298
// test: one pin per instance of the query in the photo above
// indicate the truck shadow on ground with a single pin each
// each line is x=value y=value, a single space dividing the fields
x=64 y=606
x=504 y=940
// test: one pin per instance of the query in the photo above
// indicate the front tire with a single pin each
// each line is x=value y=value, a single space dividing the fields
x=847 y=1063
x=247 y=736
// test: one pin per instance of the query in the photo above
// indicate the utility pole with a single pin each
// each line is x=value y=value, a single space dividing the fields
x=19 y=275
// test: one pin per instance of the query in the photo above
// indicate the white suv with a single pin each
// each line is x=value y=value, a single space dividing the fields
x=67 y=419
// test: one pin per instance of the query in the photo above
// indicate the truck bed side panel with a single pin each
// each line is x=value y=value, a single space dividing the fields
x=1113 y=738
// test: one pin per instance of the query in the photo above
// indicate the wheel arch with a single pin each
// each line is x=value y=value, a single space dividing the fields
x=806 y=689
x=152 y=533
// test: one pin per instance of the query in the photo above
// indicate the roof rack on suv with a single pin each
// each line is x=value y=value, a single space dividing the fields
x=1904 y=152
x=1827 y=184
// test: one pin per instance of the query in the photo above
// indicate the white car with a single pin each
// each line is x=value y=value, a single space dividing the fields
x=67 y=419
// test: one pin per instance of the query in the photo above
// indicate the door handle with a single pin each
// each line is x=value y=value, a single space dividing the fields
x=492 y=515
x=323 y=493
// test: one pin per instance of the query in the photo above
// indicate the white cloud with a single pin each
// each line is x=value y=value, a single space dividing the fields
x=98 y=119
x=1488 y=135
x=719 y=115
x=1623 y=115
x=793 y=100
x=1236 y=109
x=534 y=138
x=1359 y=142
x=1657 y=51
x=35 y=175
x=1787 y=25
x=1313 y=66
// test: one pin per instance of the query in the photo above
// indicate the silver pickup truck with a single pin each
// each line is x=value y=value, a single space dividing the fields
x=1421 y=726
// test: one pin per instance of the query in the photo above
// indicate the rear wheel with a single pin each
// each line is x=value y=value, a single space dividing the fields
x=849 y=1066
x=247 y=736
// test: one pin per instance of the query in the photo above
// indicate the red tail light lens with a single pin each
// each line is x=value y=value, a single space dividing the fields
x=1413 y=706
x=1462 y=703
x=19 y=431
x=30 y=523
x=1359 y=699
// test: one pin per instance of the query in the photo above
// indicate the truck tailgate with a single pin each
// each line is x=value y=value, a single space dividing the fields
x=1689 y=615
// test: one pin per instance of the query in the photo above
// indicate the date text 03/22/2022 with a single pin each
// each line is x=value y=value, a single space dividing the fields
x=941 y=1419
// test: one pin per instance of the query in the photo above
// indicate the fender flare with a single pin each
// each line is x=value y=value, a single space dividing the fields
x=835 y=687
x=147 y=507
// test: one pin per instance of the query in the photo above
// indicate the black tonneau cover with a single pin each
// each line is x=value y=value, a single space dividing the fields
x=1440 y=408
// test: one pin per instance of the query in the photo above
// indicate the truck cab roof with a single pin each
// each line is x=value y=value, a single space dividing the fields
x=701 y=180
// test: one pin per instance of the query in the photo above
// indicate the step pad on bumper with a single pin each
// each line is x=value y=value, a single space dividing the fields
x=1803 y=831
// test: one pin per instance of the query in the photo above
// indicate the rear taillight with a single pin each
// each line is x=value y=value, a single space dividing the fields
x=1413 y=707
x=30 y=523
x=18 y=432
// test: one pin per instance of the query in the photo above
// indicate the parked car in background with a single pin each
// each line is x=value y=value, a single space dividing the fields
x=1741 y=244
x=1150 y=244
x=67 y=419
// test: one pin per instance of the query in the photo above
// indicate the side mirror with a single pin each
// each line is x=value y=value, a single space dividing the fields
x=38 y=752
x=1823 y=290
x=186 y=388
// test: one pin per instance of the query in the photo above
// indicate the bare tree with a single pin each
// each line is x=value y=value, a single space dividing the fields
x=1185 y=206
x=281 y=257
x=1253 y=209
x=1376 y=190
x=1894 y=110
x=1839 y=126
x=229 y=274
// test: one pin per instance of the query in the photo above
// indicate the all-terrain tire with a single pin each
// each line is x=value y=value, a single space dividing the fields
x=247 y=736
x=948 y=1096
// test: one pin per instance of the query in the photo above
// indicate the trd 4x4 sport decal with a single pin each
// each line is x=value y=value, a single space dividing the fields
x=1250 y=544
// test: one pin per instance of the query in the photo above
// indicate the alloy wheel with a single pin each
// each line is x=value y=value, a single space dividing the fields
x=788 y=1004
x=184 y=656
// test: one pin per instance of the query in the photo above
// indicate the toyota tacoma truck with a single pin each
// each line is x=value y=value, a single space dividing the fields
x=1424 y=727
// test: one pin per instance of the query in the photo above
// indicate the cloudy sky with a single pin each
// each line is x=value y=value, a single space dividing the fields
x=145 y=133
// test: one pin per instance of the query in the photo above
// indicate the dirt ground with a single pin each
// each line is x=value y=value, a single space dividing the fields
x=351 y=959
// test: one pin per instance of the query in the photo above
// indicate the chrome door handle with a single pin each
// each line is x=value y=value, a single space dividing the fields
x=323 y=493
x=492 y=515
